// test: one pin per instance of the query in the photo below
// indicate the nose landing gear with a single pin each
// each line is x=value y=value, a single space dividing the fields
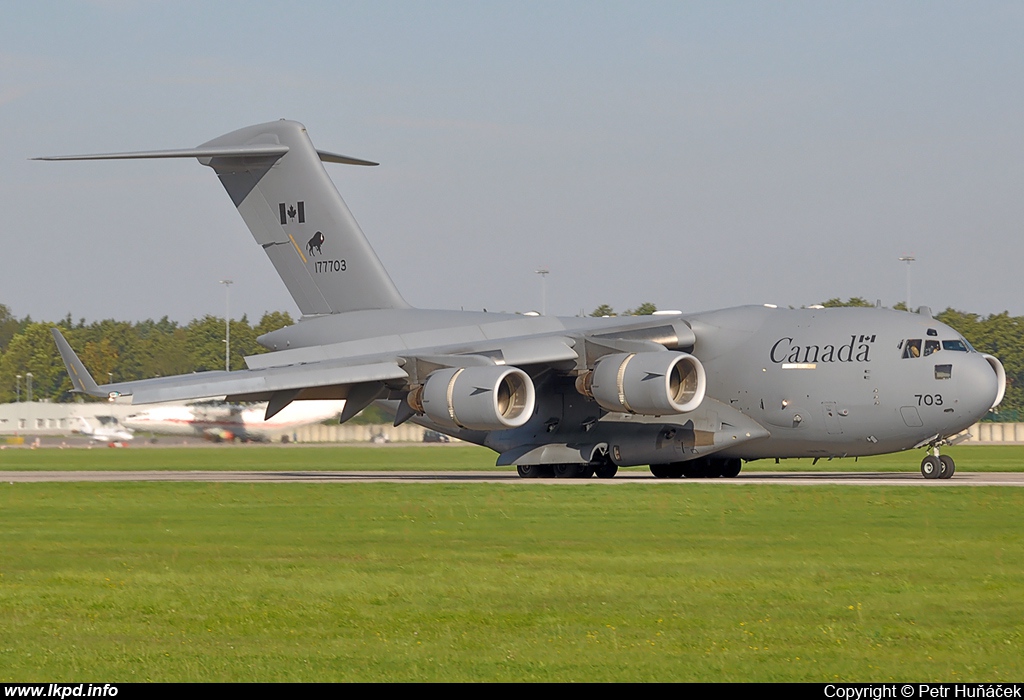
x=936 y=466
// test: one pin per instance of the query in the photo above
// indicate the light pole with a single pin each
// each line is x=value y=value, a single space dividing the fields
x=28 y=386
x=908 y=259
x=543 y=272
x=17 y=386
x=227 y=324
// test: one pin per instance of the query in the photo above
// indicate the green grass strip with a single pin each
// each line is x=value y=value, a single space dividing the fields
x=471 y=582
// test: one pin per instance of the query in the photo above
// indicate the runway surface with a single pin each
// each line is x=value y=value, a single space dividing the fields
x=452 y=477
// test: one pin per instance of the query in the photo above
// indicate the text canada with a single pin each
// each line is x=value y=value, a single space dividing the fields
x=787 y=350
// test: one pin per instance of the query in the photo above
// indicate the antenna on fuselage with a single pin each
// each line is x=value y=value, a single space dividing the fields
x=908 y=259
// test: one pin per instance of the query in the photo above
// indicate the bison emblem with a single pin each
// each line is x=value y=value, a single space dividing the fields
x=315 y=242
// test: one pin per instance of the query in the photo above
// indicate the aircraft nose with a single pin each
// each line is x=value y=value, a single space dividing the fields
x=982 y=384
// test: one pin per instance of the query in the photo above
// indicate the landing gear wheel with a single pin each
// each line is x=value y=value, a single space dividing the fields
x=606 y=471
x=673 y=470
x=529 y=471
x=731 y=467
x=948 y=467
x=931 y=467
x=585 y=471
x=697 y=468
x=572 y=471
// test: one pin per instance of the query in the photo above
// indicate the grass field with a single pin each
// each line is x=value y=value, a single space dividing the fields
x=406 y=582
x=492 y=582
x=418 y=457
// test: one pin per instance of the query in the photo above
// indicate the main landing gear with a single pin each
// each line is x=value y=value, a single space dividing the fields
x=702 y=468
x=603 y=470
x=936 y=466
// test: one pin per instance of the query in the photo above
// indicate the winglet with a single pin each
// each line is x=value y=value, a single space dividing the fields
x=80 y=377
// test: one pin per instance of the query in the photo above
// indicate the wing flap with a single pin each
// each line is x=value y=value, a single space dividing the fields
x=531 y=351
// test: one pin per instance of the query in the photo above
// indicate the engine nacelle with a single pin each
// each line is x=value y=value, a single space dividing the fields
x=997 y=367
x=649 y=383
x=477 y=398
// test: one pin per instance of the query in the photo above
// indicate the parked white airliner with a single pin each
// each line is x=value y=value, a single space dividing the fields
x=224 y=421
x=109 y=430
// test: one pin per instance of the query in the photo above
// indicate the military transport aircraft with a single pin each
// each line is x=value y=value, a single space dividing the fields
x=690 y=394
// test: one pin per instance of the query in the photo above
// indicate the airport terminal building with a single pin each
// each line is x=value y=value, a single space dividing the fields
x=42 y=418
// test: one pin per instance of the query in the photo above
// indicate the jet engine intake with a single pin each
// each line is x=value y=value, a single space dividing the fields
x=476 y=398
x=648 y=383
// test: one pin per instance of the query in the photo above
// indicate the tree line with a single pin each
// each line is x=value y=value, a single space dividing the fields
x=120 y=351
x=124 y=351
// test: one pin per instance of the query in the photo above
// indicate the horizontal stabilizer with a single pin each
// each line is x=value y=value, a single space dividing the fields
x=328 y=157
x=254 y=151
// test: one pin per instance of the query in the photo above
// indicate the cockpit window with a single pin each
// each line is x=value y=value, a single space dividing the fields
x=932 y=332
x=931 y=346
x=912 y=348
x=954 y=345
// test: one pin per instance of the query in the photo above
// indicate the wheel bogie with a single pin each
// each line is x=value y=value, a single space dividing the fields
x=672 y=470
x=565 y=471
x=573 y=471
x=560 y=471
x=696 y=468
x=730 y=468
x=709 y=468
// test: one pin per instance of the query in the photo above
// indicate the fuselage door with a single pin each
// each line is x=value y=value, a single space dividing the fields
x=911 y=417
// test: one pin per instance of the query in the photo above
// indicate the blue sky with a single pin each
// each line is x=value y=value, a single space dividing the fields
x=695 y=155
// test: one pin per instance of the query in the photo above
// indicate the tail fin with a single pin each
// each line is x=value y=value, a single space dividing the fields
x=274 y=176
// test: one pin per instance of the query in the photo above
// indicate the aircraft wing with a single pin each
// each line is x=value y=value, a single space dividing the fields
x=358 y=379
x=240 y=385
x=475 y=377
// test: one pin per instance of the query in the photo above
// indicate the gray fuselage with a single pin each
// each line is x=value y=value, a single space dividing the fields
x=836 y=382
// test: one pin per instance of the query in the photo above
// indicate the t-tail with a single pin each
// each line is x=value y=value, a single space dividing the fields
x=275 y=177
